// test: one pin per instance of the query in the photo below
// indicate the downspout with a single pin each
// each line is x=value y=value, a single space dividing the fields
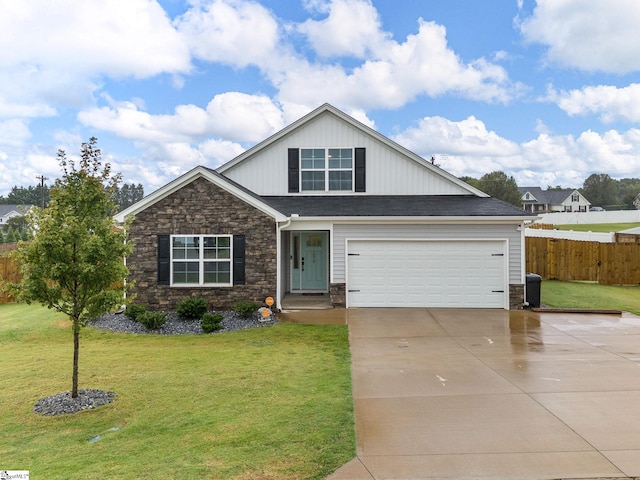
x=279 y=228
x=523 y=263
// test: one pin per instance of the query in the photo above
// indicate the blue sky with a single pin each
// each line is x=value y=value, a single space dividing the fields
x=545 y=90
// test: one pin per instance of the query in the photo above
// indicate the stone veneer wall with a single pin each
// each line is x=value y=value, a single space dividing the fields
x=202 y=208
x=338 y=294
x=516 y=296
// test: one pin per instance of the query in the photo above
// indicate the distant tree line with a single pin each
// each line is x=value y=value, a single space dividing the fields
x=603 y=191
x=16 y=228
x=600 y=189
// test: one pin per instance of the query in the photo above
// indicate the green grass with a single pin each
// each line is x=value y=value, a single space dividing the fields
x=266 y=403
x=590 y=295
x=597 y=227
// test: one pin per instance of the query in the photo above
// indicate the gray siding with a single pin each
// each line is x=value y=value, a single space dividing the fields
x=427 y=232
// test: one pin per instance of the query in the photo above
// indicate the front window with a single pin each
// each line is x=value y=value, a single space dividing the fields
x=575 y=197
x=201 y=259
x=326 y=169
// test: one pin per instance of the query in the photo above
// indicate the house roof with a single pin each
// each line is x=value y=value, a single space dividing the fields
x=330 y=109
x=281 y=207
x=394 y=206
x=551 y=197
x=7 y=209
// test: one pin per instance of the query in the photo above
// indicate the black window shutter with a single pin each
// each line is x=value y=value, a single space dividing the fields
x=238 y=260
x=294 y=169
x=164 y=259
x=360 y=171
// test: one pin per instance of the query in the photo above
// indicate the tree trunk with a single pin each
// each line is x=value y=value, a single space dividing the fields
x=76 y=355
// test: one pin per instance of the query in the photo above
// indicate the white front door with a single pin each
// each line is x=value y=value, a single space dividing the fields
x=309 y=261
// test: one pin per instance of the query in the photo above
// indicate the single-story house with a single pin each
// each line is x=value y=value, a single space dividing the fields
x=327 y=206
x=536 y=200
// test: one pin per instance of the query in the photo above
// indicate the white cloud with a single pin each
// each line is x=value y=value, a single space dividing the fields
x=245 y=118
x=398 y=73
x=594 y=35
x=235 y=32
x=55 y=53
x=468 y=148
x=232 y=115
x=25 y=171
x=11 y=109
x=91 y=37
x=442 y=136
x=612 y=152
x=352 y=28
x=608 y=102
x=13 y=133
x=220 y=151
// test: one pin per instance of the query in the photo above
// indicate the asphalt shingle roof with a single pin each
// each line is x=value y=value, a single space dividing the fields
x=392 y=206
x=6 y=209
x=553 y=197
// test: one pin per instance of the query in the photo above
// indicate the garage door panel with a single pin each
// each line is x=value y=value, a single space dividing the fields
x=426 y=273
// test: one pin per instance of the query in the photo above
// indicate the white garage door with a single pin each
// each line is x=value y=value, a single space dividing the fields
x=386 y=273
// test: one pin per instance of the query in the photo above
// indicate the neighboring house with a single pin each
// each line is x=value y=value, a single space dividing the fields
x=327 y=206
x=536 y=200
x=10 y=211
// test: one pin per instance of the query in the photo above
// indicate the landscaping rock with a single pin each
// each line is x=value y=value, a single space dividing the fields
x=118 y=322
x=62 y=403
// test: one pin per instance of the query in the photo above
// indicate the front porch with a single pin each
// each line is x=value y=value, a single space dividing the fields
x=306 y=301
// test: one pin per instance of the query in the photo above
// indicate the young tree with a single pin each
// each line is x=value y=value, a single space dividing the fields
x=74 y=264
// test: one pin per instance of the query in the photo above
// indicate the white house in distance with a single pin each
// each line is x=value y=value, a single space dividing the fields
x=536 y=200
x=9 y=211
x=330 y=207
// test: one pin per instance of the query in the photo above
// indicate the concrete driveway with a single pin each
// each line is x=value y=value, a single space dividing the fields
x=445 y=393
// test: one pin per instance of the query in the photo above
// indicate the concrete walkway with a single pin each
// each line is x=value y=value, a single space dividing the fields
x=442 y=393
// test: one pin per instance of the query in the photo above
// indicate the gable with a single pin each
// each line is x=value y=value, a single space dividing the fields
x=536 y=194
x=390 y=169
x=185 y=180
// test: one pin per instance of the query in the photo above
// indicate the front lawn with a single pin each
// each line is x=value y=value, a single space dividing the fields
x=558 y=294
x=268 y=403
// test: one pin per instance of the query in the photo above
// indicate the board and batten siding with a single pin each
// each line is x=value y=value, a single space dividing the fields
x=426 y=232
x=388 y=172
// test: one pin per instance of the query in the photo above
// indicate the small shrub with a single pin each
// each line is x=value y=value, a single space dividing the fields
x=134 y=310
x=152 y=320
x=211 y=322
x=245 y=309
x=192 y=308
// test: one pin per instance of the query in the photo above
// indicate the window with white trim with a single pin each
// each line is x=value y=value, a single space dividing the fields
x=201 y=260
x=575 y=197
x=326 y=169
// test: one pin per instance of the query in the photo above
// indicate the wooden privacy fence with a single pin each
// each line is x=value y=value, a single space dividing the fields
x=8 y=272
x=605 y=263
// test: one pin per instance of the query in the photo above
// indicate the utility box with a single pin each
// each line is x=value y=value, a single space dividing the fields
x=534 y=283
